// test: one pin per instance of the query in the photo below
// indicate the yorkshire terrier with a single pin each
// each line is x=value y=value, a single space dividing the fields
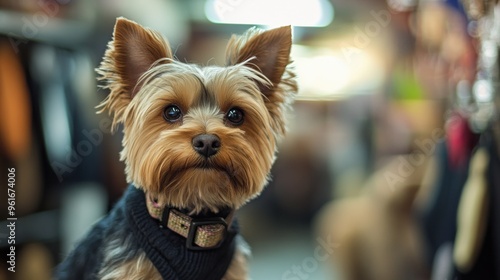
x=198 y=143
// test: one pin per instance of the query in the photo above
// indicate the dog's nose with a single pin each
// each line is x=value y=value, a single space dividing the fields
x=206 y=145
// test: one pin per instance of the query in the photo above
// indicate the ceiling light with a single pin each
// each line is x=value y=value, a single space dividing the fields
x=270 y=13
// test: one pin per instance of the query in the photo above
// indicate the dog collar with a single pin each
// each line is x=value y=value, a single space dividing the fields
x=201 y=232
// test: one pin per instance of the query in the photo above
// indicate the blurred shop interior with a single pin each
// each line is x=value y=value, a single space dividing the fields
x=390 y=169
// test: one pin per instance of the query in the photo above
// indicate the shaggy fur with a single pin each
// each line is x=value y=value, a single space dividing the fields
x=144 y=80
x=256 y=60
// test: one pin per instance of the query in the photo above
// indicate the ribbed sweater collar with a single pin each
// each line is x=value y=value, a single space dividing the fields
x=167 y=250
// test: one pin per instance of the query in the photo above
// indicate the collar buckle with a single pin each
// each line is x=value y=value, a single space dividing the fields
x=200 y=233
x=206 y=233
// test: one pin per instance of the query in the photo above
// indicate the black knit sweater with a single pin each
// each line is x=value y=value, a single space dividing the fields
x=130 y=220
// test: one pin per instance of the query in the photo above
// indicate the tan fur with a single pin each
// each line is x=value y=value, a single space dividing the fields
x=256 y=48
x=143 y=79
x=137 y=269
x=167 y=170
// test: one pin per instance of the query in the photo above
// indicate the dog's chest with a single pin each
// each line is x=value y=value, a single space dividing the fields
x=141 y=247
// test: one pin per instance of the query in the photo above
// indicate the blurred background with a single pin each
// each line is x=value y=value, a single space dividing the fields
x=389 y=170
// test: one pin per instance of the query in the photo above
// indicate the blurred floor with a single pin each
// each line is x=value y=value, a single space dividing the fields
x=285 y=248
x=282 y=247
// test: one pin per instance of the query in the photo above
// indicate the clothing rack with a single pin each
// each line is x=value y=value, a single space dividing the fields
x=474 y=238
x=53 y=83
x=41 y=27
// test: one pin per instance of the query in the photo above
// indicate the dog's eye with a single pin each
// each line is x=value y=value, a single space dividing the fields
x=172 y=113
x=235 y=116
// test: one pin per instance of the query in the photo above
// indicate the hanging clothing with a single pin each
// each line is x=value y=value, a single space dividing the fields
x=487 y=264
x=438 y=220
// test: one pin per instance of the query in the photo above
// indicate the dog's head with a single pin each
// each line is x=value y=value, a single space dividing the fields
x=198 y=137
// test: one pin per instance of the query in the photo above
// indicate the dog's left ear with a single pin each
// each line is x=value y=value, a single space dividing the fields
x=268 y=52
x=133 y=50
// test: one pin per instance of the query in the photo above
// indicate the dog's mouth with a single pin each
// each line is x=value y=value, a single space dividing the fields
x=206 y=165
x=204 y=175
x=209 y=166
x=203 y=168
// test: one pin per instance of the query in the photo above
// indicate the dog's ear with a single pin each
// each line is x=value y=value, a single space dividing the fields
x=268 y=52
x=131 y=52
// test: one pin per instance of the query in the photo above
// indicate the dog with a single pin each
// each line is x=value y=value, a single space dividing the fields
x=198 y=143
